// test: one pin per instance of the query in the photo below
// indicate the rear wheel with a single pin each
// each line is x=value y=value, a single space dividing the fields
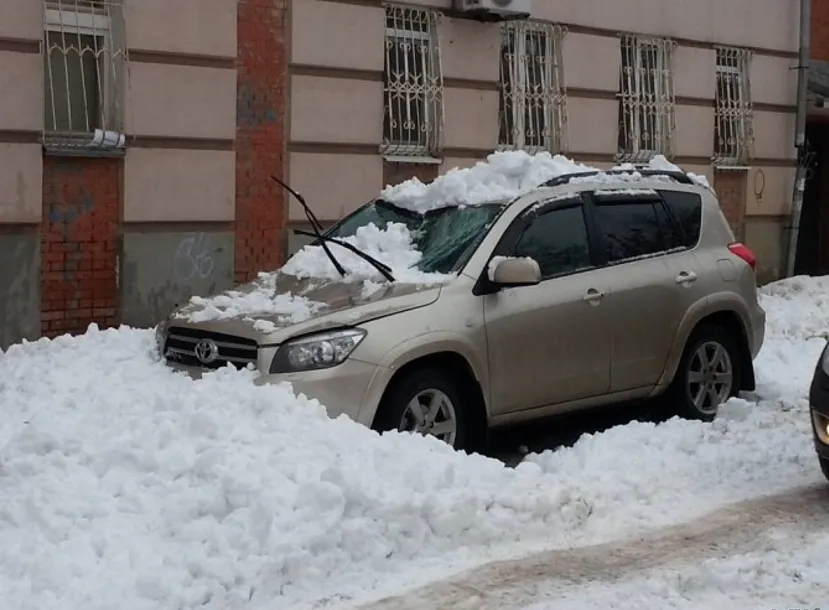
x=425 y=401
x=708 y=374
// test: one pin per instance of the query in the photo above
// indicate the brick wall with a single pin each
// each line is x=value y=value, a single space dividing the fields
x=79 y=237
x=820 y=30
x=260 y=118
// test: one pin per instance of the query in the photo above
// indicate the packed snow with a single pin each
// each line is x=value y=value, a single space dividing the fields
x=788 y=570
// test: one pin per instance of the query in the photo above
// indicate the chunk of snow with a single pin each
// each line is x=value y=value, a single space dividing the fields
x=391 y=245
x=138 y=488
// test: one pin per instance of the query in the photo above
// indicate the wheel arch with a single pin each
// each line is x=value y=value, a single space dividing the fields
x=726 y=314
x=452 y=354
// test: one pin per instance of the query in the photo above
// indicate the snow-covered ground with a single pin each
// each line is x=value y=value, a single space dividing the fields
x=125 y=485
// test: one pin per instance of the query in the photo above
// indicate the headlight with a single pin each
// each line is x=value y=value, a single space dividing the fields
x=824 y=361
x=320 y=351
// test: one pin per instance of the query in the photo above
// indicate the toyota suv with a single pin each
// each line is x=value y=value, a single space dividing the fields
x=590 y=288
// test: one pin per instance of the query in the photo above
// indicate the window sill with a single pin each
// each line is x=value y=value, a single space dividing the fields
x=412 y=160
x=67 y=151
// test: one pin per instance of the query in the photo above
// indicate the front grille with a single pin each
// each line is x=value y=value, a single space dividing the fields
x=180 y=348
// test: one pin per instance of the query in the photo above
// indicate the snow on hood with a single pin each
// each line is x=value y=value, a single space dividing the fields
x=503 y=177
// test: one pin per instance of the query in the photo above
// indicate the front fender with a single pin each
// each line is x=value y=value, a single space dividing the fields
x=418 y=347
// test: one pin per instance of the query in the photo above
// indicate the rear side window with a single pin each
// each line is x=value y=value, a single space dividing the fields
x=557 y=241
x=633 y=228
x=686 y=208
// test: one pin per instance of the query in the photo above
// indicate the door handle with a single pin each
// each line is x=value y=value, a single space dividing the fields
x=686 y=277
x=593 y=296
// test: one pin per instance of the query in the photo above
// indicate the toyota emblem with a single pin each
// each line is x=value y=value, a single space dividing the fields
x=206 y=351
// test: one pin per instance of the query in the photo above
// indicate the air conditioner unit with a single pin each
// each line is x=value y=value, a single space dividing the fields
x=495 y=10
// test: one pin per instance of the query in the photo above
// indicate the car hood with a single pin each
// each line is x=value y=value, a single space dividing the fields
x=302 y=306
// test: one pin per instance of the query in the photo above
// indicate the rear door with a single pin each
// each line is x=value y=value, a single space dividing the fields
x=651 y=284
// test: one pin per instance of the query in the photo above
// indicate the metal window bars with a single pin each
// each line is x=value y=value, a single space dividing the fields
x=733 y=114
x=647 y=119
x=532 y=113
x=85 y=59
x=412 y=84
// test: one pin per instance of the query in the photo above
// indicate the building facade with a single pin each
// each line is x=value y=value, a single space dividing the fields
x=137 y=141
x=136 y=147
x=382 y=91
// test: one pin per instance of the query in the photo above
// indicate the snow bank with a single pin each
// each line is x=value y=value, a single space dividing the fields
x=502 y=177
x=127 y=485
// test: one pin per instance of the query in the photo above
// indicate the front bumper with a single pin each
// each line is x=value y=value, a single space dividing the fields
x=819 y=410
x=351 y=389
x=343 y=390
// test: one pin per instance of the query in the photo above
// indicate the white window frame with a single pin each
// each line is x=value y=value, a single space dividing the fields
x=734 y=115
x=518 y=94
x=647 y=116
x=67 y=18
x=413 y=25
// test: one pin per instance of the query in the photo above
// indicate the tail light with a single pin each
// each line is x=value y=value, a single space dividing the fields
x=744 y=252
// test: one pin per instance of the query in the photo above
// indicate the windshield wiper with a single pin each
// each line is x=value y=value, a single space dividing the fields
x=380 y=266
x=384 y=269
x=314 y=223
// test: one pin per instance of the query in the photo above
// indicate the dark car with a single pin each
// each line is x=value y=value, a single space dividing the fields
x=819 y=409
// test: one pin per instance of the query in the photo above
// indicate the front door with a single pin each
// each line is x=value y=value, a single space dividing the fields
x=548 y=343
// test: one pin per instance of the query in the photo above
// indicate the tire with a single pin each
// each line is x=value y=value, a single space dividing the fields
x=682 y=391
x=824 y=466
x=425 y=384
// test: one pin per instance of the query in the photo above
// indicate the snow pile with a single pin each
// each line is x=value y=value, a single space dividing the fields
x=391 y=245
x=127 y=485
x=797 y=308
x=261 y=300
x=502 y=177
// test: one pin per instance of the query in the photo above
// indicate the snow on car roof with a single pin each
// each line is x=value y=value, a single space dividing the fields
x=502 y=177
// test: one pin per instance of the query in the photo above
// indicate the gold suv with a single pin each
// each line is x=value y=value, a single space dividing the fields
x=593 y=288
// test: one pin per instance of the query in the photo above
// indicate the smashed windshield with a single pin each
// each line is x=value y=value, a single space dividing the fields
x=446 y=237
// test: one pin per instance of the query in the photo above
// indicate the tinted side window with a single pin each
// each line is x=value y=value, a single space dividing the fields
x=557 y=241
x=686 y=209
x=630 y=229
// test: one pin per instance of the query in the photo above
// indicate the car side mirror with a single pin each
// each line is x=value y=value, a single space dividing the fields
x=508 y=272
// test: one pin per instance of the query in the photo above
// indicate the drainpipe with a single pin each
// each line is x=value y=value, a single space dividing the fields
x=804 y=62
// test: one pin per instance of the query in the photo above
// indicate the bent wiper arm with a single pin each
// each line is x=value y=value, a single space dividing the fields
x=380 y=266
x=314 y=223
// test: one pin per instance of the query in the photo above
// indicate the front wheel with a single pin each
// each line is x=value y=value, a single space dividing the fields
x=708 y=374
x=428 y=402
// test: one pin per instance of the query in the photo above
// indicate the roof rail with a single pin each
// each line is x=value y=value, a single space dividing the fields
x=679 y=176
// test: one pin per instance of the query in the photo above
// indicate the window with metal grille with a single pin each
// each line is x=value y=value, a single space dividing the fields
x=733 y=117
x=533 y=103
x=646 y=98
x=84 y=57
x=412 y=84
